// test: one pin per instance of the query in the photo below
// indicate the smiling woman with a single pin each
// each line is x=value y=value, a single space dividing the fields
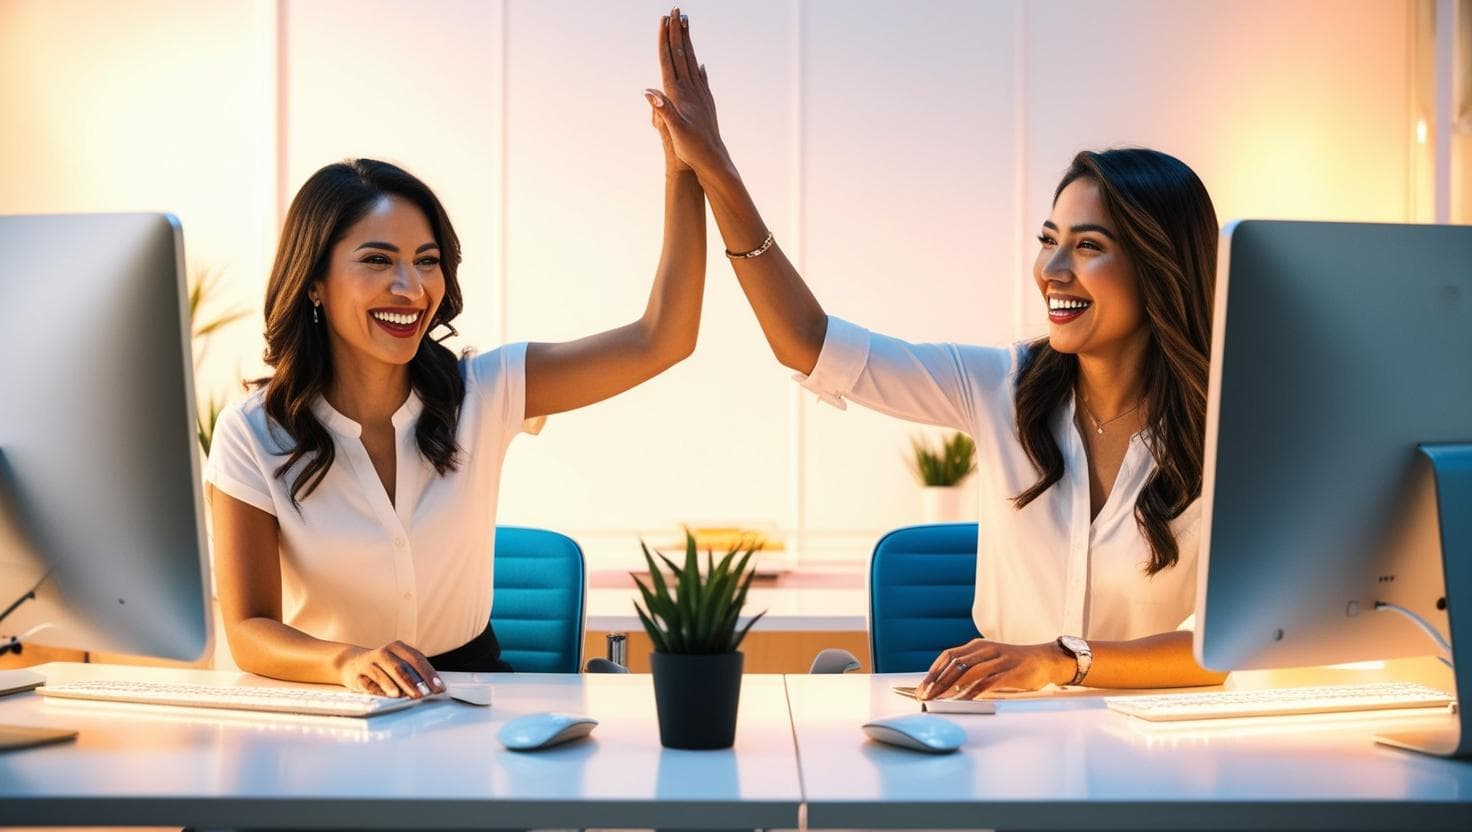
x=1089 y=442
x=354 y=491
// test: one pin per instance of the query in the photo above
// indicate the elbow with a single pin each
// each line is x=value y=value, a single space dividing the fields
x=675 y=354
x=668 y=348
x=801 y=354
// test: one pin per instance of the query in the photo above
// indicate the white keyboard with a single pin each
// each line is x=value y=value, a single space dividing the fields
x=312 y=701
x=1172 y=707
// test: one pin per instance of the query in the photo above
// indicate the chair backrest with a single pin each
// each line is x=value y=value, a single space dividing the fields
x=922 y=583
x=538 y=608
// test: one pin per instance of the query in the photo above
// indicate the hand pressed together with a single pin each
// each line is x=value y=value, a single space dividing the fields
x=685 y=110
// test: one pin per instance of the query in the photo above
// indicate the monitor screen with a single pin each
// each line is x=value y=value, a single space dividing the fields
x=1338 y=348
x=101 y=511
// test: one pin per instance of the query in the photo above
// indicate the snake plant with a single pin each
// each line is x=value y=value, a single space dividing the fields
x=690 y=613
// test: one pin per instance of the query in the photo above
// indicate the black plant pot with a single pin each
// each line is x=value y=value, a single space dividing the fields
x=696 y=699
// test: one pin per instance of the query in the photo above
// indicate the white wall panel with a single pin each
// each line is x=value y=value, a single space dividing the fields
x=908 y=176
x=415 y=84
x=1287 y=109
x=145 y=106
x=706 y=442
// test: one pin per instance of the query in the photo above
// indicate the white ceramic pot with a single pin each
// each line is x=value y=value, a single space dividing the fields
x=942 y=503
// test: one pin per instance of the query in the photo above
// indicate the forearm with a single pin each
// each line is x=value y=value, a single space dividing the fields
x=791 y=318
x=268 y=647
x=1158 y=661
x=671 y=321
x=573 y=374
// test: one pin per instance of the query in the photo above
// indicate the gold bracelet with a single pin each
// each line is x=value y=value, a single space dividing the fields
x=756 y=252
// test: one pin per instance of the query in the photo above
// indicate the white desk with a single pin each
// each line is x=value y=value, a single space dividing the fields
x=437 y=765
x=1069 y=764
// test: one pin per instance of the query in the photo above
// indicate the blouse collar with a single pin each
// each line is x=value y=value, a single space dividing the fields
x=406 y=415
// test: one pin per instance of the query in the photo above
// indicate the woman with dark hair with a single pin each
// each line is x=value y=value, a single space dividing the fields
x=1090 y=440
x=354 y=491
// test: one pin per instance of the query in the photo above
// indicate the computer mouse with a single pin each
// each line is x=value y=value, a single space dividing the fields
x=921 y=732
x=534 y=732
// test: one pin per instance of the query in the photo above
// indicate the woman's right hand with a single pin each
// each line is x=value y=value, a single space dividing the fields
x=395 y=669
x=685 y=107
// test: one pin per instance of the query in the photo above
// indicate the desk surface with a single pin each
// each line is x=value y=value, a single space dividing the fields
x=435 y=765
x=1061 y=763
x=1069 y=763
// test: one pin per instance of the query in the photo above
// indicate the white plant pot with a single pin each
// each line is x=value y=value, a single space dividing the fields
x=942 y=503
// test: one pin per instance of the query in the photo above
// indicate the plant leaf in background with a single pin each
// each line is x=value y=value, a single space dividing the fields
x=700 y=615
x=949 y=464
x=202 y=284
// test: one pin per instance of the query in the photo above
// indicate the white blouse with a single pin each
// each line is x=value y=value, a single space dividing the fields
x=1046 y=570
x=357 y=568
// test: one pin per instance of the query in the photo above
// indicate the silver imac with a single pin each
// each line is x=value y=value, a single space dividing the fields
x=102 y=538
x=1337 y=486
x=1338 y=350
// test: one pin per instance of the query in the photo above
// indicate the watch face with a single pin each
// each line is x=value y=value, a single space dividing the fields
x=1074 y=644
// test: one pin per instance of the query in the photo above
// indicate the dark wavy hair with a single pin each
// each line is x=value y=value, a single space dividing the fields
x=331 y=201
x=1168 y=227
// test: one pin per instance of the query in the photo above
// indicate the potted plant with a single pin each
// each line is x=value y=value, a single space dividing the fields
x=941 y=470
x=691 y=619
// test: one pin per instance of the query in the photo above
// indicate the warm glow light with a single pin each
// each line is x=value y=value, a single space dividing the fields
x=1420 y=131
x=1370 y=665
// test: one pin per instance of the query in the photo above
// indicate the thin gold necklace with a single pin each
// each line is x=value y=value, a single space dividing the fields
x=1098 y=425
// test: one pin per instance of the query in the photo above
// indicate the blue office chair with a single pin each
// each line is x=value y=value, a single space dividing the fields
x=922 y=582
x=538 y=609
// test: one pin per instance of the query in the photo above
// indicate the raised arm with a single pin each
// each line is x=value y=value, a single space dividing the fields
x=790 y=316
x=572 y=374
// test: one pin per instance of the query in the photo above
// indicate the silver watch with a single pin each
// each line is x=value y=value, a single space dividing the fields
x=1079 y=649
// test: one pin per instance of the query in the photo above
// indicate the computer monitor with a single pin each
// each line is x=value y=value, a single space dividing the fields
x=1337 y=350
x=101 y=511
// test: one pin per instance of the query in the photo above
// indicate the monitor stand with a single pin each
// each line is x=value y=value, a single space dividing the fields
x=1452 y=468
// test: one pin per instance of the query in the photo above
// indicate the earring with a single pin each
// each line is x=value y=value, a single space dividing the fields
x=316 y=315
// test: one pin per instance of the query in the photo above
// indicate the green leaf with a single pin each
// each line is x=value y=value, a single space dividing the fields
x=654 y=573
x=947 y=465
x=744 y=630
x=654 y=635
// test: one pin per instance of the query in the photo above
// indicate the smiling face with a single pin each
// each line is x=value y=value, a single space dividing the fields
x=383 y=285
x=1086 y=276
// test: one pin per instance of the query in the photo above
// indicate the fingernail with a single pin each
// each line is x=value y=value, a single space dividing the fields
x=684 y=22
x=392 y=694
x=438 y=683
x=423 y=689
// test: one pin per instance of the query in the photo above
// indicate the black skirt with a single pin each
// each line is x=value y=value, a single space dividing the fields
x=481 y=654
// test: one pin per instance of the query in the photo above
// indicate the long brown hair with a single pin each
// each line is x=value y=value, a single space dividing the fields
x=1168 y=227
x=331 y=201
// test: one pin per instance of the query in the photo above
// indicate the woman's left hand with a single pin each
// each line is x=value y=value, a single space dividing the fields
x=980 y=665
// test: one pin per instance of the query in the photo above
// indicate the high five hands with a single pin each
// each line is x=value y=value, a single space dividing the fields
x=684 y=111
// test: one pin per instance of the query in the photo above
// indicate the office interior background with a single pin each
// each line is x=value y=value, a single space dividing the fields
x=904 y=155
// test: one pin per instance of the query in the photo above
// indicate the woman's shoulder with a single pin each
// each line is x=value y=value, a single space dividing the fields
x=994 y=366
x=247 y=420
x=488 y=367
